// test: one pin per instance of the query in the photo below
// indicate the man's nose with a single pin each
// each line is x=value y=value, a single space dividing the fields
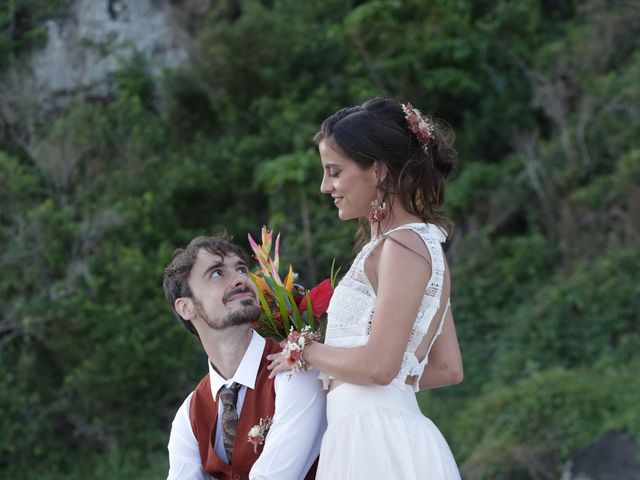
x=239 y=279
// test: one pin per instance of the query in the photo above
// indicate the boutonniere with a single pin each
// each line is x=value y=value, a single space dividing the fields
x=259 y=431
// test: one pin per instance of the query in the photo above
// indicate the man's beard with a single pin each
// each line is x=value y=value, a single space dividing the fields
x=249 y=313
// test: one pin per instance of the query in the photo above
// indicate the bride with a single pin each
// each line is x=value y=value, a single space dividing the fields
x=390 y=314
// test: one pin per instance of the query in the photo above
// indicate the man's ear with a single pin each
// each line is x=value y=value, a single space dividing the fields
x=185 y=308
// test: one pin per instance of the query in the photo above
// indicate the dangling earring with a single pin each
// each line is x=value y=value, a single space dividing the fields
x=378 y=210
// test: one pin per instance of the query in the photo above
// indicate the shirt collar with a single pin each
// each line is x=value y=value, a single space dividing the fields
x=247 y=370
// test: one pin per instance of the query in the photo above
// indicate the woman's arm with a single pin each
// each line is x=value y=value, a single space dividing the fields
x=445 y=360
x=402 y=276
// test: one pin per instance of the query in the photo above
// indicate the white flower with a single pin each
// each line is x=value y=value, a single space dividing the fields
x=258 y=432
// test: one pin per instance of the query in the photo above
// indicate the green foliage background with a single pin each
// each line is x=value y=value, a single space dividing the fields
x=544 y=99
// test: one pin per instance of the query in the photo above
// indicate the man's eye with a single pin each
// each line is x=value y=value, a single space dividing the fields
x=243 y=269
x=334 y=173
x=215 y=273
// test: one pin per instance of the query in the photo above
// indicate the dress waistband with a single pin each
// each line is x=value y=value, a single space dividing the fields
x=347 y=399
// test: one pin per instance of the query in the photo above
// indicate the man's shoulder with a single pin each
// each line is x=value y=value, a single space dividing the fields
x=203 y=386
x=202 y=391
x=182 y=414
x=204 y=382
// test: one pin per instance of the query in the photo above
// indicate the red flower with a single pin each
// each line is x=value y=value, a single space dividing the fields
x=294 y=356
x=320 y=296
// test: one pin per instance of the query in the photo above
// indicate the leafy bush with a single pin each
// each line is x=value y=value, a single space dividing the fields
x=574 y=319
x=534 y=425
x=97 y=195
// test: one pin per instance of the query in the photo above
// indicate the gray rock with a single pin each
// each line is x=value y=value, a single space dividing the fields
x=614 y=456
x=94 y=37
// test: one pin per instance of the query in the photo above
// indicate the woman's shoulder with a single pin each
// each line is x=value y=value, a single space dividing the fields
x=404 y=246
x=405 y=235
x=426 y=231
x=417 y=238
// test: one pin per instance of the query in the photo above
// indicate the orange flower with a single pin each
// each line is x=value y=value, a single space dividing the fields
x=282 y=302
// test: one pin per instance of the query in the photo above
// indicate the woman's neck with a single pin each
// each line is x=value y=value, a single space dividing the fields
x=397 y=216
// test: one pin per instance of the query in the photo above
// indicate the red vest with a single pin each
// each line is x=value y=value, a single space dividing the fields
x=258 y=403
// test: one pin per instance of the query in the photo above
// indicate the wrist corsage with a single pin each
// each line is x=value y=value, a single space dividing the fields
x=259 y=432
x=294 y=345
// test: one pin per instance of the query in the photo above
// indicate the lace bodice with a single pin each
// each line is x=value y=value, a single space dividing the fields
x=350 y=312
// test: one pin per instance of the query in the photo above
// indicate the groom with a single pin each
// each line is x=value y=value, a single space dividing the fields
x=208 y=286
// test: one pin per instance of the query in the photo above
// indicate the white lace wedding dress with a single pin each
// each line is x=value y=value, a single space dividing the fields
x=378 y=432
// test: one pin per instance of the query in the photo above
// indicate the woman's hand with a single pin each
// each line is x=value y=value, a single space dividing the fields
x=278 y=364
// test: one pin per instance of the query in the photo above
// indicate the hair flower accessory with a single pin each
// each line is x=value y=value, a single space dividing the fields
x=258 y=432
x=421 y=126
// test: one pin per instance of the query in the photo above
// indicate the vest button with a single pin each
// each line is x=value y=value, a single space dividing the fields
x=236 y=476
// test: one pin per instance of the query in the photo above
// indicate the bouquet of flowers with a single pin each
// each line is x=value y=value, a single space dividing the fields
x=287 y=308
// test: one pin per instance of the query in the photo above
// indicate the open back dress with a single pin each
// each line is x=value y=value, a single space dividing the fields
x=379 y=432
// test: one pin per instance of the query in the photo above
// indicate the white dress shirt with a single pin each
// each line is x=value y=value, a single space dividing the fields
x=293 y=441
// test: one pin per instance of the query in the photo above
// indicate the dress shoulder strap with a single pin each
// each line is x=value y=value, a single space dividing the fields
x=431 y=234
x=428 y=231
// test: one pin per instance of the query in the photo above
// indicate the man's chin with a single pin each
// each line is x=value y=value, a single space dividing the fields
x=250 y=313
x=248 y=302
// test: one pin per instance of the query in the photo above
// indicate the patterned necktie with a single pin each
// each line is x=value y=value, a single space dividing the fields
x=229 y=397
